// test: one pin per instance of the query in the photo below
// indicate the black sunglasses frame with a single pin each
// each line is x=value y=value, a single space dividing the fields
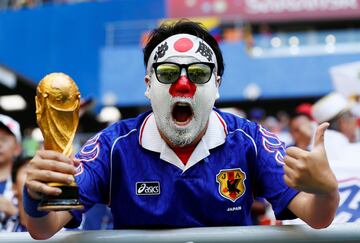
x=181 y=66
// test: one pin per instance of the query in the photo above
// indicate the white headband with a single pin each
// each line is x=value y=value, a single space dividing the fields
x=182 y=45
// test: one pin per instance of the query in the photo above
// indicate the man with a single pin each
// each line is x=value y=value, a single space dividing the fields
x=337 y=110
x=16 y=223
x=185 y=163
x=10 y=149
x=301 y=129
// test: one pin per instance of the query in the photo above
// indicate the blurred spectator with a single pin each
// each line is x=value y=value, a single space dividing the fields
x=248 y=37
x=235 y=111
x=17 y=4
x=70 y=1
x=17 y=222
x=336 y=109
x=99 y=217
x=274 y=126
x=265 y=36
x=258 y=210
x=233 y=34
x=301 y=129
x=306 y=109
x=25 y=3
x=257 y=115
x=4 y=4
x=29 y=144
x=284 y=119
x=332 y=108
x=355 y=108
x=10 y=149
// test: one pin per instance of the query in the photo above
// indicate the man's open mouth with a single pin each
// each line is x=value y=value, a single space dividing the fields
x=182 y=113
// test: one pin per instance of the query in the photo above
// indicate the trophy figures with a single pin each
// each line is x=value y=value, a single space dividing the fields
x=57 y=114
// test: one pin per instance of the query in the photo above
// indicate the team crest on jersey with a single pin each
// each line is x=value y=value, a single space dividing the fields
x=231 y=183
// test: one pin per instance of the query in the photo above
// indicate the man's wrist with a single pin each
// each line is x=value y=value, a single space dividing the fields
x=332 y=187
x=31 y=205
x=331 y=194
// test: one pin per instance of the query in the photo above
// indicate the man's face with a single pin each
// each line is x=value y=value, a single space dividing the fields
x=348 y=126
x=301 y=131
x=9 y=148
x=182 y=109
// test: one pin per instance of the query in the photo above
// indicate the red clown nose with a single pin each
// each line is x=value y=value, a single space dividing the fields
x=182 y=88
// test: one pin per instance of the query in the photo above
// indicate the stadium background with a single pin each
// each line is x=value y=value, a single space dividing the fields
x=277 y=53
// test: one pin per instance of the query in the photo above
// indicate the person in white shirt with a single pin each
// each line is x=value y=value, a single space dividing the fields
x=10 y=148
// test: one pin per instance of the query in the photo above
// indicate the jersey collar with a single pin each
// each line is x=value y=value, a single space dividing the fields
x=215 y=135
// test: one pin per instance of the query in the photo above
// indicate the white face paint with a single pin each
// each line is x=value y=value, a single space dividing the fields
x=163 y=103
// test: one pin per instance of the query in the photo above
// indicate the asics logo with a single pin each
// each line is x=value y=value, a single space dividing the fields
x=148 y=188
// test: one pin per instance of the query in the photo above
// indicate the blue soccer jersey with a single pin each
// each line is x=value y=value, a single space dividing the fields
x=129 y=167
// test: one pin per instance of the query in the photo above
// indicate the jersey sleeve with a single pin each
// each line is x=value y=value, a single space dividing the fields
x=269 y=173
x=93 y=176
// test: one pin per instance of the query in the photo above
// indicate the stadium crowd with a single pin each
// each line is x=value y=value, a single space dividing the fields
x=17 y=4
x=296 y=128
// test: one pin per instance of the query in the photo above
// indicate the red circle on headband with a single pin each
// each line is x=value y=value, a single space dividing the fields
x=183 y=45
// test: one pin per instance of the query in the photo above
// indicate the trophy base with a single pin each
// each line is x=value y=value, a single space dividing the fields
x=67 y=200
x=60 y=205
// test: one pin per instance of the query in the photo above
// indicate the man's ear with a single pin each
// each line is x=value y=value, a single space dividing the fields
x=217 y=82
x=148 y=84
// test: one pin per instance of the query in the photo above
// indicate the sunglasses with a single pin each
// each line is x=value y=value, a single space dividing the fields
x=169 y=72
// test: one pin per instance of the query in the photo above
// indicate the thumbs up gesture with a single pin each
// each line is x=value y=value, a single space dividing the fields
x=310 y=171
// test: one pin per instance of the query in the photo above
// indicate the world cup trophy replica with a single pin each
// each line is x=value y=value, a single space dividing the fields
x=57 y=114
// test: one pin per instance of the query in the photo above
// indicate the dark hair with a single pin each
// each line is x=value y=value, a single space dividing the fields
x=183 y=27
x=295 y=114
x=17 y=165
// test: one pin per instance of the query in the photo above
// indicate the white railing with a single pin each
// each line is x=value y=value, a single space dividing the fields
x=349 y=232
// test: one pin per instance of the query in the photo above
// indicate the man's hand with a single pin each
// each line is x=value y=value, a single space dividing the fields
x=48 y=166
x=7 y=207
x=310 y=171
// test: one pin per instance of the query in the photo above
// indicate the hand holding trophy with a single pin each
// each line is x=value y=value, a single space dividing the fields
x=57 y=114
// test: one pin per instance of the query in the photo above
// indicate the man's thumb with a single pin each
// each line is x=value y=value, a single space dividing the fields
x=319 y=135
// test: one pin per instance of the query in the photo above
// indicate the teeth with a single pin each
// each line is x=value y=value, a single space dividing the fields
x=182 y=104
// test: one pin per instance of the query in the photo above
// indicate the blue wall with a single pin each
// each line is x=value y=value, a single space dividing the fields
x=122 y=74
x=66 y=38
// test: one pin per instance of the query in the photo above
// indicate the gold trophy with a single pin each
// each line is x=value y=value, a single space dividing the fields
x=57 y=114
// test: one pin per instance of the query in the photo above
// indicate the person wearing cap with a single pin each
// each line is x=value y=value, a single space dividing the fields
x=10 y=149
x=184 y=163
x=336 y=109
x=332 y=108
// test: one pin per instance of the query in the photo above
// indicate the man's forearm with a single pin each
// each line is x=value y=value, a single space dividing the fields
x=46 y=226
x=317 y=210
